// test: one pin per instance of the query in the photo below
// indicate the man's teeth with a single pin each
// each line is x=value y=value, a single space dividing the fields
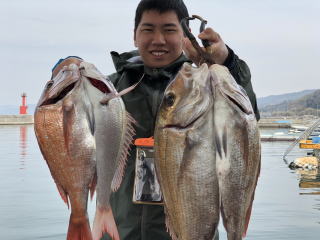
x=158 y=53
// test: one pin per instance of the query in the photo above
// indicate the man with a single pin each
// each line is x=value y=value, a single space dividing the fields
x=160 y=44
x=160 y=41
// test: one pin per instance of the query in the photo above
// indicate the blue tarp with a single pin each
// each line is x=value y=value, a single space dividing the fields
x=283 y=121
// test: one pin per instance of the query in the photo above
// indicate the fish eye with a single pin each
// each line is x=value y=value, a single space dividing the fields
x=49 y=84
x=169 y=99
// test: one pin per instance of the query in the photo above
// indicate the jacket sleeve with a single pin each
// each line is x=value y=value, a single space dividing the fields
x=241 y=73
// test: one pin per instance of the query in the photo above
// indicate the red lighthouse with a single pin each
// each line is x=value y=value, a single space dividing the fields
x=23 y=107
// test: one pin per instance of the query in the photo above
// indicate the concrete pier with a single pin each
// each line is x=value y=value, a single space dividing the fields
x=16 y=119
x=273 y=125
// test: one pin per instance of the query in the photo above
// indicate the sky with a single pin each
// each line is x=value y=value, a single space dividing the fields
x=279 y=39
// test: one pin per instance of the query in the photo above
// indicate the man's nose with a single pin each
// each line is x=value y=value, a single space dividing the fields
x=158 y=38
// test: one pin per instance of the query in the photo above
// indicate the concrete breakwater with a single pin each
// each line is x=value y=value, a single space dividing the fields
x=16 y=119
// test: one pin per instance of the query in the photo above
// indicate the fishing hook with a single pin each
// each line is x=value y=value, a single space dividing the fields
x=206 y=57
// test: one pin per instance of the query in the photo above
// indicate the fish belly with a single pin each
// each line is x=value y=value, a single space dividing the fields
x=238 y=164
x=185 y=164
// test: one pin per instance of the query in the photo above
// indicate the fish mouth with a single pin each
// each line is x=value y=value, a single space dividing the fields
x=56 y=96
x=185 y=127
x=60 y=95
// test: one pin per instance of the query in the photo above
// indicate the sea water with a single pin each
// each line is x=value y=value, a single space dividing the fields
x=31 y=207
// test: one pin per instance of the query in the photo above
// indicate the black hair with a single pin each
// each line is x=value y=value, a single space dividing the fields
x=161 y=6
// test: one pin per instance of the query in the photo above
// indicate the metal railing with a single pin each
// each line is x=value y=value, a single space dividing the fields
x=304 y=135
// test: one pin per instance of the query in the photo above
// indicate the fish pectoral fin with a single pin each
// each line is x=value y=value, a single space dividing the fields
x=68 y=120
x=63 y=194
x=124 y=152
x=221 y=143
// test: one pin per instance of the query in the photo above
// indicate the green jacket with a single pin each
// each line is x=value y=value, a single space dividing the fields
x=147 y=222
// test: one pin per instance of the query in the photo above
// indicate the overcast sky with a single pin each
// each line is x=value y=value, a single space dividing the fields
x=279 y=39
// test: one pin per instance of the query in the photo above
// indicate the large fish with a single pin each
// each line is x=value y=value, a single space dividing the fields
x=185 y=155
x=75 y=134
x=237 y=151
x=113 y=135
x=203 y=164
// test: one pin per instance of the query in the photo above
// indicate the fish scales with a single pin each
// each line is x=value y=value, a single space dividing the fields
x=86 y=134
x=67 y=144
x=181 y=155
x=238 y=164
x=113 y=134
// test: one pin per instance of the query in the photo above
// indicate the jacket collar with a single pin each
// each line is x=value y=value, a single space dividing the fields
x=132 y=61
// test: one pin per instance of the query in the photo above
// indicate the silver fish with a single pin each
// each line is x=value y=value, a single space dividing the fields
x=238 y=154
x=185 y=155
x=207 y=153
x=113 y=132
x=91 y=143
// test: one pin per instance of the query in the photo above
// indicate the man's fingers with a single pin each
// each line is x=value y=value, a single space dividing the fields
x=190 y=51
x=188 y=48
x=210 y=35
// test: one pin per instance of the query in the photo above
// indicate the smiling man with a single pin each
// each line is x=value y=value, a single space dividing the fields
x=159 y=38
x=161 y=45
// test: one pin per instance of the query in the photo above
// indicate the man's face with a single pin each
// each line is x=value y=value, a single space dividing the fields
x=159 y=38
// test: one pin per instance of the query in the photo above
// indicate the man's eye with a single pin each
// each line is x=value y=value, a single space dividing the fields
x=170 y=30
x=146 y=30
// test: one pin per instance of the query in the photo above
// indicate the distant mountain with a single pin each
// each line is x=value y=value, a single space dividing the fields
x=277 y=99
x=304 y=101
x=306 y=105
x=12 y=109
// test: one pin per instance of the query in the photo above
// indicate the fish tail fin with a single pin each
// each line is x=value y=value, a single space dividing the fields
x=104 y=223
x=79 y=228
x=124 y=152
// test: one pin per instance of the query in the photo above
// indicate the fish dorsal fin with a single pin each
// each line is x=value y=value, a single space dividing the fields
x=128 y=134
x=227 y=85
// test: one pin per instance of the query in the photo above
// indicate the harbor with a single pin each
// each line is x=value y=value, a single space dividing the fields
x=271 y=129
x=295 y=219
x=21 y=119
x=286 y=200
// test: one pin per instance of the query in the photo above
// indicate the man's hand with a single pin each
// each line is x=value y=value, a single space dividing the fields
x=218 y=49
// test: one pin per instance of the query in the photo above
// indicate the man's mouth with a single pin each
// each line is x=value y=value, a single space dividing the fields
x=158 y=53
